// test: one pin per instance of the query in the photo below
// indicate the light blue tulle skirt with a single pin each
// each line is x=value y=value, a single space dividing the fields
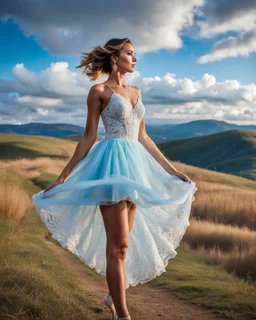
x=118 y=169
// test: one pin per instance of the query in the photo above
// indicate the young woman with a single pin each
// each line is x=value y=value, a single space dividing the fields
x=119 y=205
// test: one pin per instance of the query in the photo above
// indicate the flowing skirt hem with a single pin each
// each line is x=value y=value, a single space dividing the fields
x=172 y=254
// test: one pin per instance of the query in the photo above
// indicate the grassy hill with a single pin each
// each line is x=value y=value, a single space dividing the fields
x=42 y=129
x=211 y=270
x=231 y=152
x=157 y=132
x=15 y=146
x=76 y=137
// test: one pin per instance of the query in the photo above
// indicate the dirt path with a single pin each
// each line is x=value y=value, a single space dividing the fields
x=144 y=302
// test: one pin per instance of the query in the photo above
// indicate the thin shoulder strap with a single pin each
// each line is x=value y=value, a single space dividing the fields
x=110 y=88
x=135 y=91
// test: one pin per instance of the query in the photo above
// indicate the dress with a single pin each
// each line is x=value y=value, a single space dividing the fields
x=116 y=168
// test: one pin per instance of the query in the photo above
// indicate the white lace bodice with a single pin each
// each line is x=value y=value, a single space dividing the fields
x=121 y=119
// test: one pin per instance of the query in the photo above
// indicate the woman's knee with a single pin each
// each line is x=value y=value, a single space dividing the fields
x=118 y=251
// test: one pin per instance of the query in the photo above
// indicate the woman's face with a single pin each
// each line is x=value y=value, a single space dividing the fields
x=127 y=59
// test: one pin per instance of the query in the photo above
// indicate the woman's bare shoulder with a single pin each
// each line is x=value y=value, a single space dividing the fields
x=98 y=87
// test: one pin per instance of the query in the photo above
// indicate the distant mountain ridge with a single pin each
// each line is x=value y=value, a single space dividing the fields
x=233 y=152
x=158 y=133
x=42 y=129
x=195 y=128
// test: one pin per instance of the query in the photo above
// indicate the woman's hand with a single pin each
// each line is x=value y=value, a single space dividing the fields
x=182 y=175
x=52 y=185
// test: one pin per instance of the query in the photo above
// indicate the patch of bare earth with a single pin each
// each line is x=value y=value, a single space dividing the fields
x=144 y=301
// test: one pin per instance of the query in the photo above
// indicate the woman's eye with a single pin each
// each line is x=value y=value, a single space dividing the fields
x=130 y=53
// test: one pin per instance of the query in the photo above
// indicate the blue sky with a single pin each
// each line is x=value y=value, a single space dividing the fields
x=221 y=88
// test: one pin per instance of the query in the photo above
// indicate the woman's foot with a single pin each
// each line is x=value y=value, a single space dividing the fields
x=126 y=318
x=109 y=303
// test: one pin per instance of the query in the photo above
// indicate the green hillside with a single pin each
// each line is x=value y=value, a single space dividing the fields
x=38 y=283
x=15 y=146
x=77 y=137
x=231 y=152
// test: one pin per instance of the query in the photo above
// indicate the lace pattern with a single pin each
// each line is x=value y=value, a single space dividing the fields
x=113 y=170
x=120 y=119
x=153 y=238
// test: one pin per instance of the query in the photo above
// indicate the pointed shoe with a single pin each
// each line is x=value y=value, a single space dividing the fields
x=109 y=303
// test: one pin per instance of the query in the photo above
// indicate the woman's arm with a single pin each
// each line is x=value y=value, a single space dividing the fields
x=90 y=134
x=149 y=144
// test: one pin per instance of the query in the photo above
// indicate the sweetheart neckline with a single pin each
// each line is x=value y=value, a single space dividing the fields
x=133 y=108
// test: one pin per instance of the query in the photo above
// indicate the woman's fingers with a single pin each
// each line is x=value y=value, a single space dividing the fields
x=52 y=185
x=183 y=176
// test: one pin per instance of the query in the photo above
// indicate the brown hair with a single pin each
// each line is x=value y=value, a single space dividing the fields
x=98 y=60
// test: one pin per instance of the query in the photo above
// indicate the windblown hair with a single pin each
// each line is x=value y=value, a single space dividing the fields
x=98 y=60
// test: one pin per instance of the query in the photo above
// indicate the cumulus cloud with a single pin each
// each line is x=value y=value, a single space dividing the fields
x=55 y=80
x=23 y=75
x=167 y=98
x=38 y=101
x=221 y=17
x=73 y=29
x=181 y=90
x=242 y=45
x=179 y=100
x=66 y=28
x=56 y=94
x=59 y=95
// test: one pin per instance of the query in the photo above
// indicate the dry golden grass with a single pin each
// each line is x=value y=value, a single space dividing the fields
x=226 y=237
x=14 y=200
x=201 y=175
x=225 y=204
x=237 y=262
x=222 y=218
x=221 y=232
x=223 y=221
x=32 y=168
x=232 y=247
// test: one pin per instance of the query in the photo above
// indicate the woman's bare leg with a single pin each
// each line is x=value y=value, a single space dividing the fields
x=131 y=214
x=131 y=218
x=116 y=221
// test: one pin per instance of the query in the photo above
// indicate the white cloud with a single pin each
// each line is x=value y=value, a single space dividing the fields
x=184 y=99
x=56 y=80
x=58 y=94
x=237 y=21
x=187 y=87
x=221 y=17
x=42 y=111
x=242 y=45
x=168 y=98
x=23 y=75
x=76 y=26
x=34 y=102
x=152 y=25
x=208 y=80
